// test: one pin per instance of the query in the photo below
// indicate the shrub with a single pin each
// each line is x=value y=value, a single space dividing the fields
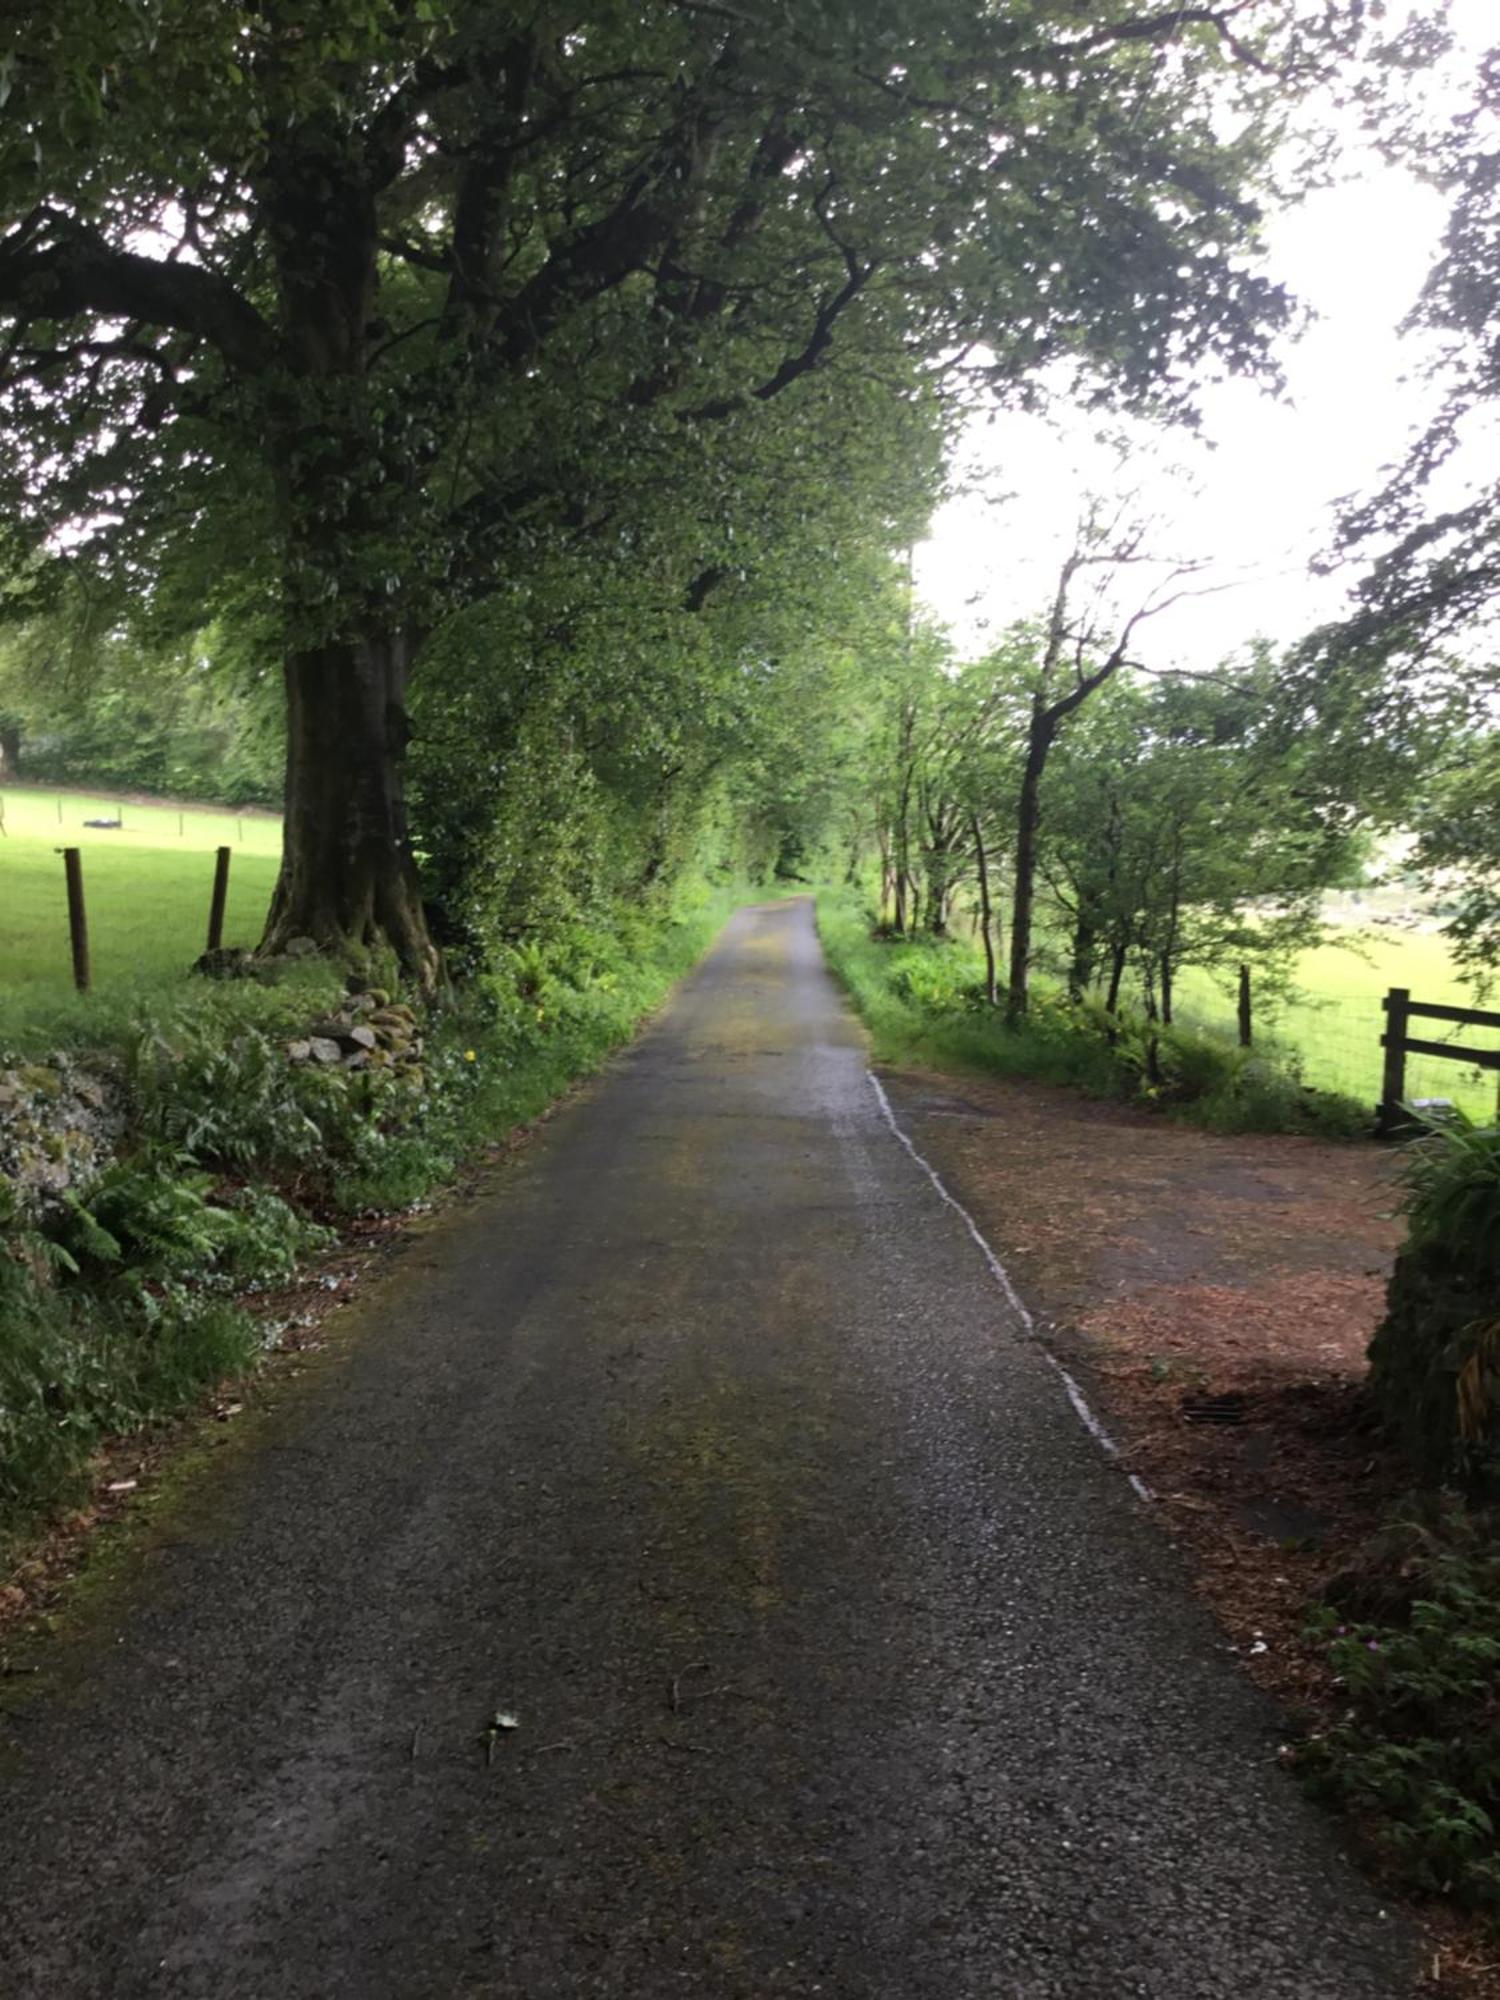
x=76 y=1365
x=932 y=975
x=1435 y=1358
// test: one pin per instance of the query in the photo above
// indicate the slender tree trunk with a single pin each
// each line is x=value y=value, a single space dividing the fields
x=938 y=892
x=1023 y=894
x=10 y=751
x=904 y=921
x=1169 y=945
x=1244 y=1007
x=901 y=832
x=887 y=879
x=985 y=927
x=347 y=872
x=1117 y=961
x=1081 y=963
x=1153 y=1015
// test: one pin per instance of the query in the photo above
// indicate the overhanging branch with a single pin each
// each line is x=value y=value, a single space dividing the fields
x=67 y=269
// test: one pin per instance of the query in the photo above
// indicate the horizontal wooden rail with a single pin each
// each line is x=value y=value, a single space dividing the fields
x=1480 y=1058
x=1472 y=1017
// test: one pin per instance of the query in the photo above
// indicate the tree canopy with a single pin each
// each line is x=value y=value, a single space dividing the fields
x=366 y=314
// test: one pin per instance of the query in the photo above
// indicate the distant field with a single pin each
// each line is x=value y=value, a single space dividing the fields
x=147 y=887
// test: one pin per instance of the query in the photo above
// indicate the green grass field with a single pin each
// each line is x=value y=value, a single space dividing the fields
x=147 y=889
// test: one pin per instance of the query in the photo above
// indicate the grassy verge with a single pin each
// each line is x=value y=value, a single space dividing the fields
x=121 y=1297
x=923 y=1002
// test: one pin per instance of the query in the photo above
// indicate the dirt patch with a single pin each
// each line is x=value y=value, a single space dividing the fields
x=1218 y=1294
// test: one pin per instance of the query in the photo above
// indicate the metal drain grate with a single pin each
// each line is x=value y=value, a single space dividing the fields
x=1226 y=1409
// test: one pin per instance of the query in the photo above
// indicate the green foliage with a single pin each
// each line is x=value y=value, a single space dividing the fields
x=1416 y=1755
x=125 y=1307
x=957 y=1032
x=931 y=977
x=631 y=341
x=1218 y=1085
x=1179 y=833
x=155 y=1221
x=104 y=709
x=79 y=1363
x=1457 y=821
x=1435 y=1358
x=1452 y=1178
x=923 y=1003
x=1398 y=699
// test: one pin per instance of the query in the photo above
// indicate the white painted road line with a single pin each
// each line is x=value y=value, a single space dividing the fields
x=1001 y=1276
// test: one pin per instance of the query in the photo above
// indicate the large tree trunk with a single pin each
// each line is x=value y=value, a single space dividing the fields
x=10 y=751
x=347 y=873
x=348 y=880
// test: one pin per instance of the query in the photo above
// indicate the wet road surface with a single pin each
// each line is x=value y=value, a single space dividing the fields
x=843 y=1662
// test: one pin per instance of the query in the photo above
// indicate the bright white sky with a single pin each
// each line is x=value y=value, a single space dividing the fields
x=1256 y=496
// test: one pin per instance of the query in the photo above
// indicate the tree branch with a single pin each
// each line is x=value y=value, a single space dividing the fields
x=79 y=272
x=795 y=366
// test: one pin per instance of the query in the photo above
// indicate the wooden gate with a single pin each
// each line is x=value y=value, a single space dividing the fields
x=1398 y=1043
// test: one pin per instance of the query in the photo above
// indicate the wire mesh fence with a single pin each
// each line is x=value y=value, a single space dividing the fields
x=1335 y=1042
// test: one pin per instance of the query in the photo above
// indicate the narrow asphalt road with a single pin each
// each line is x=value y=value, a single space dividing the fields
x=843 y=1663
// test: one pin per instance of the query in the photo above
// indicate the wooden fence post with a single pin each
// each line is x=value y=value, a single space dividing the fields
x=1393 y=1088
x=221 y=893
x=78 y=923
x=1245 y=1016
